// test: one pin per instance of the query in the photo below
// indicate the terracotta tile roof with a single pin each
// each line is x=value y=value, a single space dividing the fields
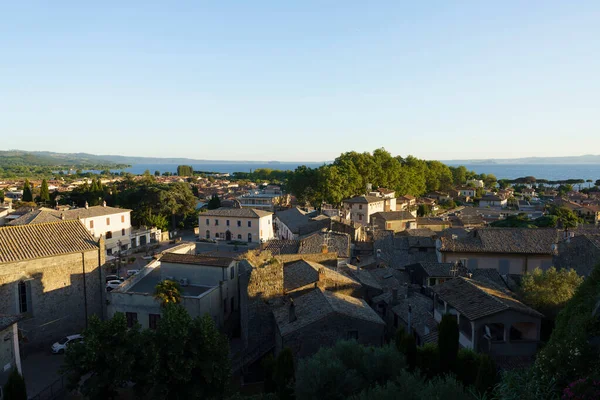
x=44 y=215
x=476 y=300
x=364 y=199
x=28 y=242
x=236 y=212
x=318 y=304
x=503 y=240
x=196 y=259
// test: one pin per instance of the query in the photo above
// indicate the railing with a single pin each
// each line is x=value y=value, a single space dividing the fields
x=52 y=391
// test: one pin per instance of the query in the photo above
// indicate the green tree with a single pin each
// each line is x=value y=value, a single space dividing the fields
x=346 y=369
x=167 y=292
x=14 y=388
x=27 y=193
x=486 y=374
x=44 y=192
x=548 y=291
x=459 y=175
x=407 y=345
x=567 y=217
x=214 y=202
x=185 y=170
x=1 y=196
x=157 y=173
x=283 y=375
x=448 y=342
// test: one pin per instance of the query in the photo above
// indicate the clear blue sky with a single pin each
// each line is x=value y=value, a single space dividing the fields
x=301 y=80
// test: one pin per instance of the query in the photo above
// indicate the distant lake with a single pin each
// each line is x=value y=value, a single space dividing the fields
x=552 y=172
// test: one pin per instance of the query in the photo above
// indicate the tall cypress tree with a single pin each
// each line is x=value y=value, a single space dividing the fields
x=448 y=342
x=27 y=194
x=44 y=192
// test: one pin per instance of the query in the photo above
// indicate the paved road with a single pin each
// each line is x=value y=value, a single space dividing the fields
x=40 y=370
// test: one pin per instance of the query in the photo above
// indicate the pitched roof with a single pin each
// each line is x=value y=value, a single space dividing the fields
x=336 y=242
x=299 y=274
x=503 y=240
x=301 y=222
x=364 y=199
x=422 y=312
x=196 y=259
x=8 y=320
x=278 y=247
x=318 y=304
x=394 y=215
x=44 y=215
x=28 y=242
x=236 y=213
x=437 y=269
x=475 y=299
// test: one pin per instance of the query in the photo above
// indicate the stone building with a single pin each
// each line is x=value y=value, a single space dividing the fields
x=321 y=318
x=50 y=275
x=10 y=356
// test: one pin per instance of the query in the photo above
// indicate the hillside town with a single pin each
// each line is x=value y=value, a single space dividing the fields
x=278 y=276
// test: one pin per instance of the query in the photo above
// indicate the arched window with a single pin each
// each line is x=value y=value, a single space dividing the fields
x=249 y=237
x=240 y=236
x=23 y=306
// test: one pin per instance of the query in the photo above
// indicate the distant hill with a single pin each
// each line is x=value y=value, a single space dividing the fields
x=12 y=158
x=585 y=159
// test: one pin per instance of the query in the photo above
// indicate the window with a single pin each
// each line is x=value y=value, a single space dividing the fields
x=239 y=236
x=232 y=304
x=207 y=221
x=239 y=223
x=208 y=234
x=352 y=335
x=91 y=224
x=360 y=217
x=122 y=232
x=249 y=237
x=23 y=304
x=216 y=222
x=225 y=306
x=122 y=218
x=107 y=221
x=249 y=224
x=227 y=222
x=360 y=206
x=153 y=320
x=131 y=319
x=109 y=235
x=232 y=272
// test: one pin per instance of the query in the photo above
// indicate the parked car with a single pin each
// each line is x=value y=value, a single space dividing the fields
x=131 y=272
x=110 y=285
x=147 y=258
x=114 y=278
x=60 y=346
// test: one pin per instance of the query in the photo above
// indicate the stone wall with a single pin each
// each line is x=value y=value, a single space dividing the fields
x=56 y=302
x=308 y=340
x=316 y=257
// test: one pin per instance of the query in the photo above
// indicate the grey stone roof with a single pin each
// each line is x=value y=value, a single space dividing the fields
x=363 y=276
x=44 y=215
x=28 y=242
x=422 y=312
x=196 y=259
x=438 y=269
x=394 y=215
x=278 y=247
x=318 y=304
x=8 y=320
x=490 y=276
x=503 y=240
x=299 y=274
x=364 y=199
x=300 y=222
x=337 y=242
x=423 y=232
x=236 y=212
x=476 y=300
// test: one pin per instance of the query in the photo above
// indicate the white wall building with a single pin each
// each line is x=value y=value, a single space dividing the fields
x=359 y=209
x=245 y=224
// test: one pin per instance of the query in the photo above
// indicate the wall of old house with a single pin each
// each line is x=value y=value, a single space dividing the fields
x=57 y=305
x=327 y=331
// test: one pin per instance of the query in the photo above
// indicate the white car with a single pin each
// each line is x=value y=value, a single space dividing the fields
x=110 y=285
x=131 y=272
x=60 y=346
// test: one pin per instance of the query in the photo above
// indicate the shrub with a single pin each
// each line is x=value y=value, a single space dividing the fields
x=486 y=374
x=525 y=384
x=467 y=366
x=448 y=342
x=428 y=360
x=15 y=389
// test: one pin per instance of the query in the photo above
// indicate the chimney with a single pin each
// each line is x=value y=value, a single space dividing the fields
x=104 y=203
x=324 y=249
x=394 y=296
x=62 y=216
x=292 y=310
x=87 y=205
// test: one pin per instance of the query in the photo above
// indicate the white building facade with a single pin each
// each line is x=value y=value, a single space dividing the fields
x=242 y=224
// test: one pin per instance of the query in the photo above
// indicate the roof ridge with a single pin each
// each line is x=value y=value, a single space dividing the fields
x=41 y=223
x=469 y=281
